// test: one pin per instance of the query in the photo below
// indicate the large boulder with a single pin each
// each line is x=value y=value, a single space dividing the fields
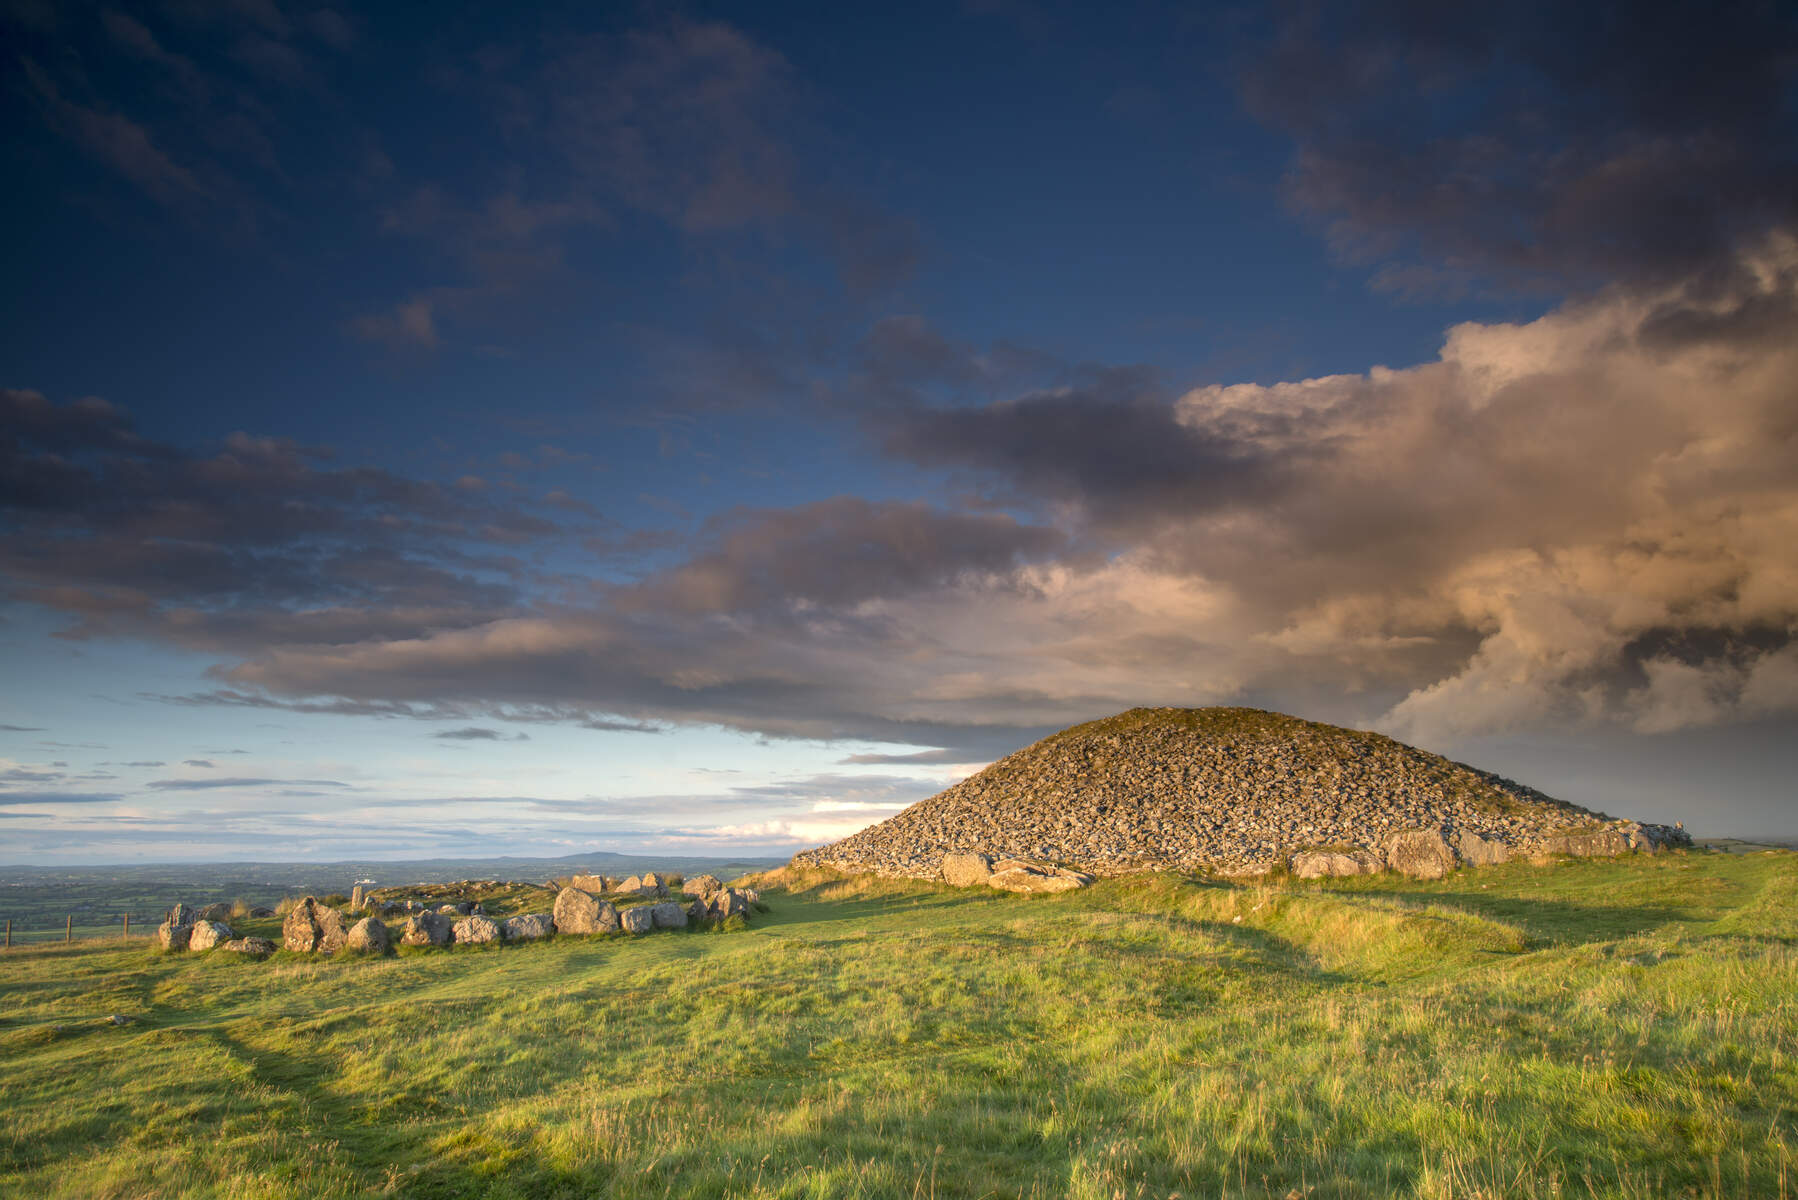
x=636 y=920
x=967 y=870
x=255 y=947
x=599 y=885
x=1481 y=852
x=528 y=926
x=578 y=911
x=358 y=901
x=728 y=902
x=369 y=935
x=668 y=915
x=170 y=936
x=1420 y=853
x=427 y=929
x=182 y=914
x=1027 y=877
x=475 y=930
x=701 y=885
x=700 y=911
x=1325 y=864
x=216 y=912
x=207 y=934
x=1591 y=843
x=313 y=927
x=262 y=911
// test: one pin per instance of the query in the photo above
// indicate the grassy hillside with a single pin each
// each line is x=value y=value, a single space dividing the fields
x=1595 y=1028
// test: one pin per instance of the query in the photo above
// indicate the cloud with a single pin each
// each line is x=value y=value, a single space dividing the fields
x=475 y=733
x=11 y=799
x=21 y=729
x=1645 y=142
x=196 y=785
x=196 y=762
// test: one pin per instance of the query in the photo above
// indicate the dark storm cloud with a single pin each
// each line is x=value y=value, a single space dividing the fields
x=1537 y=142
x=258 y=540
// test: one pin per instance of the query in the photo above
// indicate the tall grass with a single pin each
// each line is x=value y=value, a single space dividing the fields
x=1593 y=1029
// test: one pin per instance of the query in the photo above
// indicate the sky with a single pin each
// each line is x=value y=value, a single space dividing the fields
x=441 y=430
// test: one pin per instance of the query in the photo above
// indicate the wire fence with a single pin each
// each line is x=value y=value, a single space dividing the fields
x=84 y=927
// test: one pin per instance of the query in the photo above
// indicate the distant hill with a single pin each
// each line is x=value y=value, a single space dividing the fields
x=1201 y=788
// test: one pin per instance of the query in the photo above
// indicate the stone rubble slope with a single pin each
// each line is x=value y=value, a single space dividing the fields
x=1228 y=790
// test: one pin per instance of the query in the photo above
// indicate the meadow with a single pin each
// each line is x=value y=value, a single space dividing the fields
x=1605 y=1029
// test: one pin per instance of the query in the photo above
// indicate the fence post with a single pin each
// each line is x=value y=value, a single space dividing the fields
x=126 y=936
x=68 y=930
x=9 y=933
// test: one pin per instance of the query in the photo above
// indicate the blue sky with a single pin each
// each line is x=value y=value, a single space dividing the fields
x=695 y=427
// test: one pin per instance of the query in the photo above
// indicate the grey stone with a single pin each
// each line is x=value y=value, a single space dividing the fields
x=1029 y=878
x=357 y=900
x=636 y=920
x=207 y=934
x=1481 y=852
x=701 y=885
x=215 y=912
x=1420 y=853
x=261 y=911
x=527 y=926
x=369 y=935
x=427 y=929
x=700 y=911
x=255 y=947
x=182 y=914
x=667 y=915
x=966 y=870
x=313 y=927
x=476 y=930
x=729 y=902
x=1322 y=864
x=599 y=885
x=173 y=937
x=1595 y=843
x=578 y=911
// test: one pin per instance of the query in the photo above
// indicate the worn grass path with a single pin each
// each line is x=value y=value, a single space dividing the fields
x=1589 y=1029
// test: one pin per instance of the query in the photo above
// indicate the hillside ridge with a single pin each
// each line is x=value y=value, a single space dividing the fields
x=1227 y=789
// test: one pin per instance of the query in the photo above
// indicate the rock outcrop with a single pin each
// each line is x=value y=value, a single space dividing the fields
x=312 y=927
x=170 y=936
x=578 y=911
x=701 y=885
x=1236 y=791
x=207 y=934
x=427 y=929
x=369 y=935
x=528 y=926
x=476 y=930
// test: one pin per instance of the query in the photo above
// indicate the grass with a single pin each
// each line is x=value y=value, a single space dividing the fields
x=1608 y=1029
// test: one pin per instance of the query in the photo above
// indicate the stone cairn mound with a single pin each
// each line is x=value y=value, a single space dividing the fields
x=1232 y=791
x=645 y=903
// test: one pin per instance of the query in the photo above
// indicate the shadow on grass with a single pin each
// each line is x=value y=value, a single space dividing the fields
x=1546 y=921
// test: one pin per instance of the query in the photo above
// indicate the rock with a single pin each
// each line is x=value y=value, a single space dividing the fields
x=599 y=885
x=578 y=911
x=1027 y=878
x=700 y=911
x=1481 y=852
x=357 y=900
x=255 y=947
x=966 y=870
x=118 y=1019
x=449 y=910
x=528 y=926
x=207 y=934
x=701 y=885
x=631 y=884
x=475 y=930
x=427 y=929
x=636 y=920
x=651 y=880
x=170 y=936
x=1322 y=864
x=313 y=927
x=1420 y=853
x=728 y=902
x=262 y=911
x=1595 y=843
x=668 y=915
x=368 y=935
x=215 y=912
x=182 y=914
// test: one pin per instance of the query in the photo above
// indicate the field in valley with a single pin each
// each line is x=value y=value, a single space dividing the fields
x=1612 y=1029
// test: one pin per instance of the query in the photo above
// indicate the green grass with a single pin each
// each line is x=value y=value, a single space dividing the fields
x=1625 y=1029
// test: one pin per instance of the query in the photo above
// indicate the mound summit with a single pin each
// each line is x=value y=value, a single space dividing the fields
x=1232 y=790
